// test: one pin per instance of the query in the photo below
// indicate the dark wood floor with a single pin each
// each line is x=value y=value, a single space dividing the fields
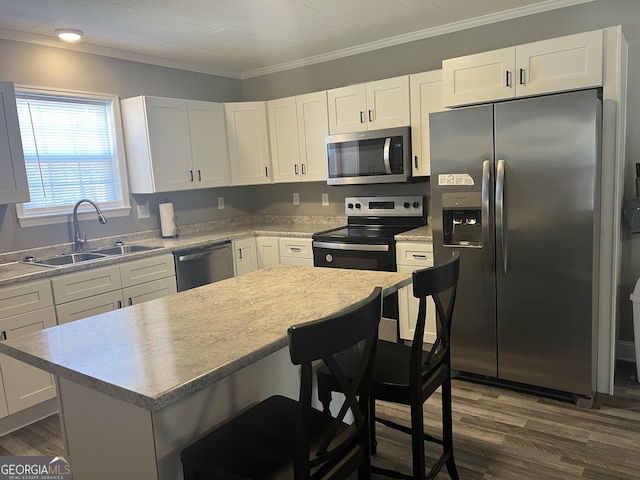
x=498 y=434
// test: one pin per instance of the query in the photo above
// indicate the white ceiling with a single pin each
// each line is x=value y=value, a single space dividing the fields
x=245 y=38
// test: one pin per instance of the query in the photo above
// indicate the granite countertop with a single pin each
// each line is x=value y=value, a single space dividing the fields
x=202 y=235
x=156 y=353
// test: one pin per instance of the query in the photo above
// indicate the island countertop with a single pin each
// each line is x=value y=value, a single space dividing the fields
x=156 y=353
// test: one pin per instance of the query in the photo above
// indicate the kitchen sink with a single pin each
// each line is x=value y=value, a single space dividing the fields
x=124 y=249
x=65 y=259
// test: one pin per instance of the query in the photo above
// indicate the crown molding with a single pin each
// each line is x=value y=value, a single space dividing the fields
x=389 y=42
x=417 y=35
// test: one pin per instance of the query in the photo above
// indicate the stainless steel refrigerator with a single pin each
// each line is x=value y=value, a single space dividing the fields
x=514 y=189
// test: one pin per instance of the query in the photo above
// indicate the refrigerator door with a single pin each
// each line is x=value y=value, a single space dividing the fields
x=545 y=278
x=461 y=154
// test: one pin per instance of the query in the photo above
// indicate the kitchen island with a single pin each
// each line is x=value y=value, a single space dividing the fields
x=135 y=386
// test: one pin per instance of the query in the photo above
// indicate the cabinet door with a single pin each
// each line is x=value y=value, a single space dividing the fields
x=13 y=175
x=268 y=251
x=88 y=307
x=388 y=103
x=169 y=143
x=244 y=256
x=313 y=127
x=566 y=63
x=208 y=133
x=347 y=109
x=25 y=385
x=479 y=78
x=283 y=133
x=149 y=291
x=426 y=97
x=248 y=143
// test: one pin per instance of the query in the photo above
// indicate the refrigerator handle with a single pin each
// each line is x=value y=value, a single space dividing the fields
x=501 y=244
x=485 y=217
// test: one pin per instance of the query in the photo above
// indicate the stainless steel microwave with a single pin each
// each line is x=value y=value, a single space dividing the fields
x=376 y=156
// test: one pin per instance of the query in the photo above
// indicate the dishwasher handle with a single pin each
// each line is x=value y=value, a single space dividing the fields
x=203 y=254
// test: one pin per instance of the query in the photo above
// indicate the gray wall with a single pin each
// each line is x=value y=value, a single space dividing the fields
x=428 y=54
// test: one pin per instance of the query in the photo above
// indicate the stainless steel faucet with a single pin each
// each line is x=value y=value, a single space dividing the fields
x=81 y=239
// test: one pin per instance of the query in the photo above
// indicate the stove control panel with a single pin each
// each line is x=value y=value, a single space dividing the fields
x=385 y=206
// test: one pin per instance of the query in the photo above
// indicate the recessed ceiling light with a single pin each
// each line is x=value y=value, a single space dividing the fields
x=69 y=34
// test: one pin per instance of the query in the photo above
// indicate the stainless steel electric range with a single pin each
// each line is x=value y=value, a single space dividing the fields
x=367 y=241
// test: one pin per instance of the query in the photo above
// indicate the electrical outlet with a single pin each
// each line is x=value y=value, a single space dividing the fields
x=220 y=203
x=296 y=199
x=325 y=199
x=143 y=210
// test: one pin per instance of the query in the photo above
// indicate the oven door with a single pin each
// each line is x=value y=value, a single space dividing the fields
x=381 y=257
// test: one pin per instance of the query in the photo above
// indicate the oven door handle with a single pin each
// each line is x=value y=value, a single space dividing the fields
x=385 y=155
x=351 y=246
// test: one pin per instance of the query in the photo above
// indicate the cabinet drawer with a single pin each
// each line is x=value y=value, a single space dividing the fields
x=87 y=283
x=88 y=307
x=25 y=297
x=295 y=247
x=414 y=254
x=146 y=270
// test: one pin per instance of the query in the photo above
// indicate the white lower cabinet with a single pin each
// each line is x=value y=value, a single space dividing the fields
x=296 y=251
x=268 y=251
x=245 y=259
x=412 y=256
x=24 y=308
x=103 y=289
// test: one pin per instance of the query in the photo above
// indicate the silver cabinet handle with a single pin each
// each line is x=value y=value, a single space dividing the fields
x=501 y=243
x=3 y=336
x=415 y=162
x=361 y=116
x=522 y=76
x=199 y=176
x=119 y=303
x=191 y=175
x=419 y=257
x=303 y=169
x=371 y=115
x=385 y=155
x=295 y=169
x=130 y=301
x=485 y=213
x=352 y=246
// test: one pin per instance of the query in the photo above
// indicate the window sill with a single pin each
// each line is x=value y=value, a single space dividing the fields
x=52 y=219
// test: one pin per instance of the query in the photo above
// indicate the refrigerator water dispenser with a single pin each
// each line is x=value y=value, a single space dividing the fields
x=462 y=221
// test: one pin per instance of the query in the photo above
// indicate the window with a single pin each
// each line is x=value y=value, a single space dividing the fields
x=72 y=148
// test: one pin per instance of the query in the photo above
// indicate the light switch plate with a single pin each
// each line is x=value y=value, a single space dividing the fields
x=296 y=199
x=325 y=199
x=220 y=203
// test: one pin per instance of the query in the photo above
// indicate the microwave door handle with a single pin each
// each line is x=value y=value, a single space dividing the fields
x=385 y=155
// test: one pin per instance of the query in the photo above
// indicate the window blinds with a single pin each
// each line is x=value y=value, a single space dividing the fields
x=69 y=152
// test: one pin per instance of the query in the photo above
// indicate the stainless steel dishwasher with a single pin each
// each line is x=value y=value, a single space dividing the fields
x=200 y=266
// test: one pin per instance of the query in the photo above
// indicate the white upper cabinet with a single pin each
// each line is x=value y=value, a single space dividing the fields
x=313 y=127
x=174 y=144
x=283 y=133
x=297 y=130
x=426 y=97
x=558 y=64
x=248 y=138
x=369 y=106
x=208 y=133
x=13 y=176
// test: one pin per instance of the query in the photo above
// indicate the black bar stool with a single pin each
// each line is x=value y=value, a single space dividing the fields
x=283 y=438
